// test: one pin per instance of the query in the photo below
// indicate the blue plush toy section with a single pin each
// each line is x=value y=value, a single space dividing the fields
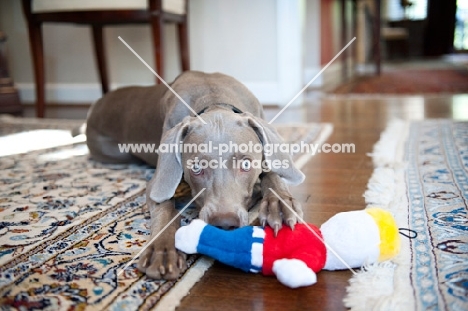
x=233 y=248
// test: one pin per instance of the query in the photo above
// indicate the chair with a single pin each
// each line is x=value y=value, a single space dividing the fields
x=391 y=36
x=9 y=99
x=97 y=14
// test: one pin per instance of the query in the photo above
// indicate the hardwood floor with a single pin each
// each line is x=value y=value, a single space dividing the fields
x=334 y=183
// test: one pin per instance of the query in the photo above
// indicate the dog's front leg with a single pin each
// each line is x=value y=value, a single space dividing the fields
x=161 y=260
x=273 y=210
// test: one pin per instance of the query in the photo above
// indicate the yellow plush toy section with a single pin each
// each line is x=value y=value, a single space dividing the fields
x=389 y=238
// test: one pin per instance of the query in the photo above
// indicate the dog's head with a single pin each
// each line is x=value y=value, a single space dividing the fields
x=226 y=156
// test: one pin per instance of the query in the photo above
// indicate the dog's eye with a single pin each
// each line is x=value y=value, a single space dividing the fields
x=245 y=165
x=196 y=169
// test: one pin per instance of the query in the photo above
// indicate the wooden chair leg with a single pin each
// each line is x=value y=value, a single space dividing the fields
x=37 y=51
x=98 y=40
x=157 y=29
x=184 y=45
x=377 y=38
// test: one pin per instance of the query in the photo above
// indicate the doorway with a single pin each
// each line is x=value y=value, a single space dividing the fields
x=460 y=42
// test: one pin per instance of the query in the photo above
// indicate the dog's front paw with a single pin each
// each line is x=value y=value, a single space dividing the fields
x=161 y=260
x=278 y=207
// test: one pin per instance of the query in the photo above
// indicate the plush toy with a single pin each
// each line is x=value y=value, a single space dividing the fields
x=349 y=239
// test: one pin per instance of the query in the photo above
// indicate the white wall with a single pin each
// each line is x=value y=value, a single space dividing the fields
x=312 y=42
x=259 y=42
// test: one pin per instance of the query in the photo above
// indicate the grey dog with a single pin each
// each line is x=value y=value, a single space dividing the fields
x=225 y=112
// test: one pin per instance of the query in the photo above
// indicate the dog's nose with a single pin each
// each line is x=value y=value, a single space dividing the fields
x=225 y=221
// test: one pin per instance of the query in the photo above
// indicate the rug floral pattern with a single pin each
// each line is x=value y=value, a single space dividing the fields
x=437 y=179
x=68 y=225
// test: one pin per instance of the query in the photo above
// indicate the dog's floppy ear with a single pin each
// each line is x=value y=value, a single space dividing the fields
x=169 y=169
x=268 y=135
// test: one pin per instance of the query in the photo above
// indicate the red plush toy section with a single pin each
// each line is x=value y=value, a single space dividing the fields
x=300 y=243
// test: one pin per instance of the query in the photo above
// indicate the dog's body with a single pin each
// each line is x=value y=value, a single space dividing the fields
x=155 y=115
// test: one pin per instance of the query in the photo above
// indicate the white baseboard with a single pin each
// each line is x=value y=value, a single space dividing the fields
x=68 y=93
x=310 y=73
x=332 y=76
x=266 y=92
x=329 y=77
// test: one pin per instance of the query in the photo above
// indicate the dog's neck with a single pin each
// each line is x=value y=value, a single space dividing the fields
x=228 y=106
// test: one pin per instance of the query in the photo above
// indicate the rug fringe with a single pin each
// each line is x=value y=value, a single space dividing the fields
x=380 y=188
x=388 y=151
x=371 y=283
x=386 y=285
x=323 y=136
x=172 y=299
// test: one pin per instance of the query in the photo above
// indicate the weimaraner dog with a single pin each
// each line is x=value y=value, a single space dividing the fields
x=155 y=115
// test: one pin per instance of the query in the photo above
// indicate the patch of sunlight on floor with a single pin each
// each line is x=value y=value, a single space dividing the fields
x=75 y=151
x=460 y=107
x=36 y=140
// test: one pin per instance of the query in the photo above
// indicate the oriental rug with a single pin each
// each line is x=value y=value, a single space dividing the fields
x=421 y=176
